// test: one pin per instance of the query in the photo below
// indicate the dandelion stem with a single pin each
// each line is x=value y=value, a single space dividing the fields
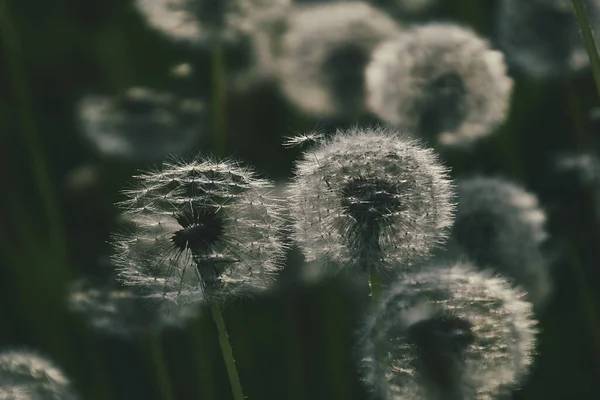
x=162 y=374
x=234 y=379
x=588 y=39
x=219 y=100
x=11 y=43
x=375 y=286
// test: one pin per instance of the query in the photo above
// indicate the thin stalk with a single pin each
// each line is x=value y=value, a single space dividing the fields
x=588 y=39
x=11 y=44
x=234 y=379
x=219 y=101
x=162 y=375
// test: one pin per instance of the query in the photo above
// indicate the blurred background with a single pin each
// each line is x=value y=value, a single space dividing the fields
x=58 y=193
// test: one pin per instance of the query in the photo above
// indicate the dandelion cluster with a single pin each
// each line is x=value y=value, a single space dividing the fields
x=441 y=81
x=197 y=230
x=448 y=332
x=371 y=197
x=28 y=376
x=324 y=52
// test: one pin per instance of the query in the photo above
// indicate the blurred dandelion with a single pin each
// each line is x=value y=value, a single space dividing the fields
x=141 y=124
x=441 y=81
x=541 y=37
x=201 y=22
x=113 y=310
x=583 y=171
x=448 y=333
x=371 y=198
x=27 y=376
x=324 y=51
x=500 y=226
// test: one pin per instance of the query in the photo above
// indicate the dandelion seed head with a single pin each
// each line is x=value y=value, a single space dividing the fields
x=369 y=196
x=441 y=81
x=500 y=225
x=406 y=8
x=198 y=230
x=448 y=332
x=141 y=124
x=324 y=52
x=541 y=37
x=30 y=376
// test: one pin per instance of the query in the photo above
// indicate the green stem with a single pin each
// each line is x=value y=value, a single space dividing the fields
x=162 y=375
x=588 y=39
x=219 y=101
x=234 y=379
x=375 y=286
x=24 y=108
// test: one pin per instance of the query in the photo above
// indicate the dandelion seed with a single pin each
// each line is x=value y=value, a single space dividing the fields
x=369 y=197
x=541 y=37
x=448 y=333
x=199 y=230
x=441 y=81
x=141 y=124
x=27 y=376
x=113 y=310
x=500 y=226
x=302 y=139
x=324 y=52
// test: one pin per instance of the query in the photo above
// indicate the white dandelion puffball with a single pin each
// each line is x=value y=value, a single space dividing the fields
x=199 y=230
x=501 y=226
x=406 y=8
x=448 y=333
x=201 y=22
x=541 y=37
x=441 y=81
x=28 y=376
x=324 y=53
x=370 y=197
x=141 y=124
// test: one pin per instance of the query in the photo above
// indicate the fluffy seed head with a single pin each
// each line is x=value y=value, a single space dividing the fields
x=370 y=197
x=199 y=22
x=448 y=332
x=197 y=230
x=441 y=81
x=406 y=8
x=499 y=225
x=541 y=37
x=141 y=124
x=27 y=376
x=324 y=53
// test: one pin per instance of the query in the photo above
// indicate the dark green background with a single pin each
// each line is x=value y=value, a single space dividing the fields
x=295 y=343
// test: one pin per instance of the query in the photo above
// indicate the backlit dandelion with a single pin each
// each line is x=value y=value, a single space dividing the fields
x=141 y=124
x=370 y=198
x=27 y=376
x=500 y=225
x=448 y=333
x=199 y=230
x=324 y=51
x=441 y=81
x=541 y=37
